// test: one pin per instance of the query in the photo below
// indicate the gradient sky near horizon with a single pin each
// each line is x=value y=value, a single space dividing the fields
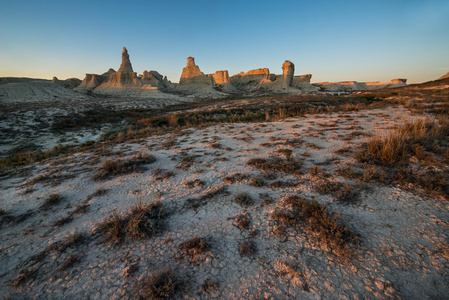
x=332 y=40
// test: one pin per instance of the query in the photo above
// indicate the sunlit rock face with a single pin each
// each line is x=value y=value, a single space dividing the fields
x=126 y=63
x=256 y=75
x=288 y=69
x=221 y=77
x=192 y=74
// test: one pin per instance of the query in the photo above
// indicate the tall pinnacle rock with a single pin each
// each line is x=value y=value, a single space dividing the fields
x=126 y=63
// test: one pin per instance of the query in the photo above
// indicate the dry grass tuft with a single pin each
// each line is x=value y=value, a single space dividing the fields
x=24 y=276
x=257 y=182
x=242 y=221
x=162 y=285
x=326 y=230
x=244 y=199
x=69 y=262
x=248 y=249
x=112 y=168
x=276 y=164
x=142 y=221
x=52 y=200
x=410 y=139
x=194 y=248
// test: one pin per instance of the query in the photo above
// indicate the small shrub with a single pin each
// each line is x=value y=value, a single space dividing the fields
x=316 y=219
x=328 y=187
x=112 y=168
x=195 y=183
x=209 y=286
x=244 y=199
x=194 y=248
x=52 y=200
x=162 y=285
x=248 y=249
x=257 y=182
x=69 y=262
x=287 y=153
x=242 y=221
x=280 y=184
x=24 y=276
x=275 y=164
x=142 y=221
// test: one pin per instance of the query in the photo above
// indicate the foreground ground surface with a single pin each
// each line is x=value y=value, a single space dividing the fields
x=200 y=177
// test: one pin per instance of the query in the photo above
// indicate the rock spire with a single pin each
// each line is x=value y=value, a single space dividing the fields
x=289 y=70
x=126 y=63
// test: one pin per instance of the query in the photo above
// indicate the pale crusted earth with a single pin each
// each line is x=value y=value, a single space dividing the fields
x=27 y=121
x=403 y=234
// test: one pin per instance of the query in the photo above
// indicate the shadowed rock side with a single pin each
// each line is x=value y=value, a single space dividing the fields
x=68 y=83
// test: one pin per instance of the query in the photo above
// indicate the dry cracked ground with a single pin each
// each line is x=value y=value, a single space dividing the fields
x=280 y=209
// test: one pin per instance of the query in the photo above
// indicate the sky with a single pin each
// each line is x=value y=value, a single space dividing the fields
x=332 y=40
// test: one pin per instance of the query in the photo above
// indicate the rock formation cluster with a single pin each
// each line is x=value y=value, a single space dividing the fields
x=193 y=81
x=124 y=78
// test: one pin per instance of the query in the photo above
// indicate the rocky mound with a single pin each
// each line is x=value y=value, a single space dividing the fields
x=351 y=86
x=444 y=76
x=37 y=91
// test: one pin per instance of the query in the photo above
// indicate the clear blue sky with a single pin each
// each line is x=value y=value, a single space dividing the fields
x=333 y=40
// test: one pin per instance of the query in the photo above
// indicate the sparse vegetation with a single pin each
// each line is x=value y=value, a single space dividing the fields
x=325 y=229
x=142 y=221
x=409 y=139
x=276 y=164
x=242 y=221
x=118 y=167
x=248 y=249
x=257 y=182
x=244 y=199
x=24 y=276
x=69 y=262
x=52 y=200
x=161 y=285
x=194 y=248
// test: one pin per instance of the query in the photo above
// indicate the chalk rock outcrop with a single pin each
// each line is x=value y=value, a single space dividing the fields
x=124 y=79
x=154 y=79
x=351 y=86
x=192 y=74
x=68 y=83
x=126 y=63
x=288 y=69
x=251 y=77
x=221 y=77
x=91 y=81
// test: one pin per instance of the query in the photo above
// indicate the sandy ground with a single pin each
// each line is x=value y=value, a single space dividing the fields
x=403 y=235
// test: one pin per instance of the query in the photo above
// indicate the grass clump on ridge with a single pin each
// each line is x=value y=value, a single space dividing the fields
x=142 y=221
x=316 y=219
